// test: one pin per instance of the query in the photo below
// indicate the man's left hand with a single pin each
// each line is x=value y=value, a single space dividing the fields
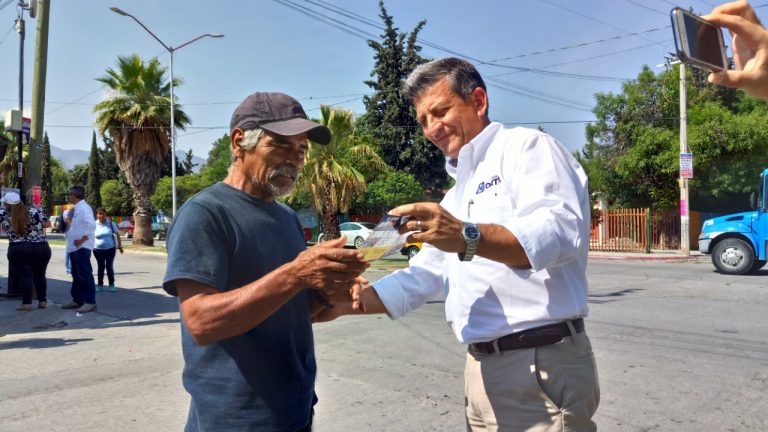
x=432 y=224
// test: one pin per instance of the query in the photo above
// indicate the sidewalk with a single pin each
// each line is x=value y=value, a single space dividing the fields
x=655 y=255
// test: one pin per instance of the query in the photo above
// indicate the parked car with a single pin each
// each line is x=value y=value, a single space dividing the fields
x=356 y=233
x=411 y=249
x=125 y=228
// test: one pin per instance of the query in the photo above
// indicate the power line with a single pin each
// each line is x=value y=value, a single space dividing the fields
x=591 y=58
x=317 y=15
x=3 y=5
x=583 y=44
x=526 y=92
x=549 y=2
x=65 y=104
x=74 y=101
x=646 y=7
x=354 y=31
x=13 y=26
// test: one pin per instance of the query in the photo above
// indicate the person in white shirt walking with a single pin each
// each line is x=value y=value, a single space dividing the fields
x=80 y=241
x=508 y=244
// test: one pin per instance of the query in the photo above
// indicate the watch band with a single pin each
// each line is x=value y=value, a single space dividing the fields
x=472 y=243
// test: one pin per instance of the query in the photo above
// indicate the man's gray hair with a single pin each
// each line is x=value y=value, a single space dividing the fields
x=462 y=76
x=250 y=140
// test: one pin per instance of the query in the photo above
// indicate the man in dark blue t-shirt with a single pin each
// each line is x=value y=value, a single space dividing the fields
x=248 y=287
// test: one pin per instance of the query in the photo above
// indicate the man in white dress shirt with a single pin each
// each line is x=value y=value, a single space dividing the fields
x=508 y=245
x=80 y=240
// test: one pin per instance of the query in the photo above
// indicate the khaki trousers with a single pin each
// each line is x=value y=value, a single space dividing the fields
x=545 y=389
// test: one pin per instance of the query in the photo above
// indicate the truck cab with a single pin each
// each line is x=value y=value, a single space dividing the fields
x=737 y=241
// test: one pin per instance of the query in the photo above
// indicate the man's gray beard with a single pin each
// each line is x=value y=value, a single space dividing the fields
x=275 y=190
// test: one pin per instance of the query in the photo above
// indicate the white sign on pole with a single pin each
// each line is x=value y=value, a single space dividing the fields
x=686 y=165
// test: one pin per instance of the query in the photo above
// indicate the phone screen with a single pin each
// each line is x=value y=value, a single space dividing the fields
x=701 y=43
x=703 y=40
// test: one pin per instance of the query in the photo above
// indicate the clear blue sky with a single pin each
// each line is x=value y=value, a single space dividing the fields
x=269 y=46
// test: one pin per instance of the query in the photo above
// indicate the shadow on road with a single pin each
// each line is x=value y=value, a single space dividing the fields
x=126 y=307
x=611 y=296
x=40 y=343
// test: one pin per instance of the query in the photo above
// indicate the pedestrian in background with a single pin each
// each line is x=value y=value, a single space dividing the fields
x=28 y=251
x=105 y=248
x=66 y=219
x=80 y=240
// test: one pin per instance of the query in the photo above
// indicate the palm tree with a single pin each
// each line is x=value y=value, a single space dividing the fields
x=137 y=116
x=332 y=173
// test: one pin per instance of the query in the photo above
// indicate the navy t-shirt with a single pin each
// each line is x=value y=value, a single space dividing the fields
x=264 y=379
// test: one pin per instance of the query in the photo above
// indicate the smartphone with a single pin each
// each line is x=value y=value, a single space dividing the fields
x=698 y=42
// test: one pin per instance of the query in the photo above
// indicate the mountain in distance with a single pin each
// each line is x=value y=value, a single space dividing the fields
x=70 y=158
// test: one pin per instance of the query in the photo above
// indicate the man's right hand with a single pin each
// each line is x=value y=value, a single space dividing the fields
x=329 y=267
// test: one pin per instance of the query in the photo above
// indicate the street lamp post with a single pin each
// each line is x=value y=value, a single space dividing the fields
x=170 y=50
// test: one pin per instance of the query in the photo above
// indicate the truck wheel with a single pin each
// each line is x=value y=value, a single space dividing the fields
x=412 y=251
x=733 y=256
x=757 y=265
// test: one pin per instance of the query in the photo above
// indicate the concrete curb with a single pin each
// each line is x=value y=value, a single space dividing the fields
x=650 y=257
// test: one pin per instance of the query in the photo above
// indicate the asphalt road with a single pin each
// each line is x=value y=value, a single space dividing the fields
x=679 y=348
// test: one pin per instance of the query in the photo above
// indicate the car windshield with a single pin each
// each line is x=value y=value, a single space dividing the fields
x=368 y=225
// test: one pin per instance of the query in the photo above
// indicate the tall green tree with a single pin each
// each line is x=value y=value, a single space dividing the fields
x=79 y=175
x=389 y=116
x=46 y=181
x=391 y=190
x=187 y=163
x=92 y=188
x=61 y=182
x=219 y=158
x=117 y=197
x=109 y=168
x=137 y=117
x=332 y=173
x=9 y=161
x=632 y=151
x=186 y=187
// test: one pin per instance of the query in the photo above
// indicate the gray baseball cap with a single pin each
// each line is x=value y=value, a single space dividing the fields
x=277 y=113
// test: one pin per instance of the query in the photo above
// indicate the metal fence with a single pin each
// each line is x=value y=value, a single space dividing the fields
x=634 y=230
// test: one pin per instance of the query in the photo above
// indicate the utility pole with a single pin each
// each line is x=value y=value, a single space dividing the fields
x=685 y=242
x=20 y=136
x=38 y=93
x=20 y=28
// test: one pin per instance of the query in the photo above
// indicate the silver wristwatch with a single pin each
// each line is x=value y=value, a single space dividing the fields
x=472 y=237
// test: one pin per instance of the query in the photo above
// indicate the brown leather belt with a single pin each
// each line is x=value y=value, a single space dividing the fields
x=531 y=338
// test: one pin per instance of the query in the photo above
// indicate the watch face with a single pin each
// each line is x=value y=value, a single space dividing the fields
x=471 y=232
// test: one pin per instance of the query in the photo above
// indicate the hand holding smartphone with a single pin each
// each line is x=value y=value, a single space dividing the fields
x=698 y=42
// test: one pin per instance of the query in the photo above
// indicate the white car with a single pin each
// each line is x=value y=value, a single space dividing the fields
x=356 y=232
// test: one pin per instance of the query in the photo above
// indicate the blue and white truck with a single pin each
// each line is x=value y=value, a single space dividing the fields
x=737 y=241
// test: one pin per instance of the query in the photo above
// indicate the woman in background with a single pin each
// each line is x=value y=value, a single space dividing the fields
x=28 y=251
x=105 y=247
